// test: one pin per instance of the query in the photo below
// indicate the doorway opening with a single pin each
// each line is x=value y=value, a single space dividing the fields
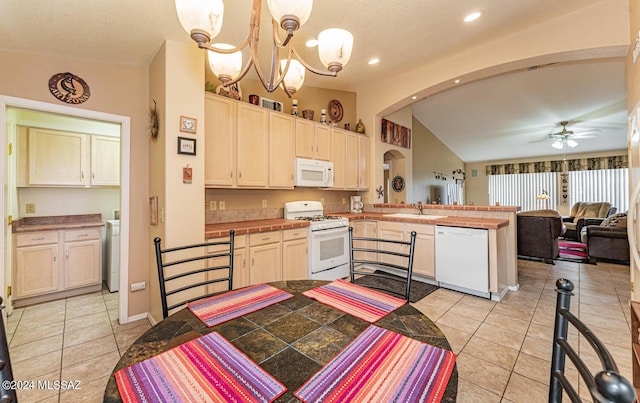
x=9 y=194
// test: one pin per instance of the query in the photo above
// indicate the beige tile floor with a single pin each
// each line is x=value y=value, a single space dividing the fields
x=504 y=349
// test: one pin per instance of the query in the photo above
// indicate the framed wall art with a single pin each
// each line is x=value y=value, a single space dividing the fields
x=188 y=125
x=395 y=134
x=186 y=146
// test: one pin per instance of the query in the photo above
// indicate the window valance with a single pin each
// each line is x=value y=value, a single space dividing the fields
x=578 y=164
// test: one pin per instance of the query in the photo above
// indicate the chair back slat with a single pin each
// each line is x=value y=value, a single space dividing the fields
x=368 y=261
x=607 y=385
x=189 y=267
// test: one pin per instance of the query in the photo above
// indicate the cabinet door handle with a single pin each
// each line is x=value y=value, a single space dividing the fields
x=37 y=239
x=67 y=255
x=240 y=174
x=82 y=175
x=253 y=261
x=83 y=235
x=93 y=175
x=265 y=239
x=230 y=173
x=55 y=258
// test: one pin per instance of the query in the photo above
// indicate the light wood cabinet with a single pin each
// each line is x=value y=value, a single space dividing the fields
x=339 y=153
x=424 y=262
x=363 y=163
x=281 y=150
x=53 y=158
x=350 y=152
x=313 y=140
x=105 y=161
x=220 y=134
x=366 y=229
x=294 y=254
x=393 y=231
x=351 y=163
x=36 y=264
x=82 y=258
x=252 y=150
x=240 y=267
x=56 y=264
x=56 y=158
x=265 y=256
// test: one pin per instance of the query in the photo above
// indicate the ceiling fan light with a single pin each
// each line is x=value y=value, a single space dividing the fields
x=295 y=75
x=571 y=143
x=226 y=66
x=290 y=14
x=334 y=48
x=201 y=15
x=558 y=144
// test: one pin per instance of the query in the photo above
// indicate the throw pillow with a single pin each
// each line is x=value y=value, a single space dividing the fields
x=616 y=220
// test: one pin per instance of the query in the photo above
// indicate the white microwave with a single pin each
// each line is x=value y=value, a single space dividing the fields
x=312 y=173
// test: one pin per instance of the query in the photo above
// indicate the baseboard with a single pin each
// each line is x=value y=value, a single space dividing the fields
x=139 y=316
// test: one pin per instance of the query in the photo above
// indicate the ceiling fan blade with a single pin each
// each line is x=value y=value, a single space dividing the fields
x=544 y=140
x=584 y=135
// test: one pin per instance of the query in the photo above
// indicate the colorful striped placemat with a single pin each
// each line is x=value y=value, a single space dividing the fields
x=221 y=308
x=208 y=368
x=382 y=366
x=356 y=300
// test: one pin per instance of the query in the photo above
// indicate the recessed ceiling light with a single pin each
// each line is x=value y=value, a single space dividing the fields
x=414 y=97
x=375 y=60
x=456 y=81
x=472 y=16
x=311 y=43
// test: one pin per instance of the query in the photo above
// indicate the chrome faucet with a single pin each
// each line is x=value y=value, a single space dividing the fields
x=419 y=207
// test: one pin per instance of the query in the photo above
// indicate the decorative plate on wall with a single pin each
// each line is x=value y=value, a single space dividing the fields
x=335 y=110
x=398 y=183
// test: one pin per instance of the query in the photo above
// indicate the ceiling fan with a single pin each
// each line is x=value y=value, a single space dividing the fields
x=565 y=138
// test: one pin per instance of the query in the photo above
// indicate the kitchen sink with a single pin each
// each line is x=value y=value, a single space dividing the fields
x=418 y=216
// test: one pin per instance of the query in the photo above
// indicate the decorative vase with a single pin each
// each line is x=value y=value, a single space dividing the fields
x=360 y=127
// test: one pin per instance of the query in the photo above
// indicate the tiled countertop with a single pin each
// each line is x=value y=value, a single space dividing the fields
x=454 y=221
x=50 y=223
x=251 y=227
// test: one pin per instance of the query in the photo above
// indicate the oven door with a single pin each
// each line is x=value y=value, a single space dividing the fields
x=329 y=249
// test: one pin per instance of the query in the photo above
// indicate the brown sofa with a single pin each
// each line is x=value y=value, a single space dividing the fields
x=582 y=211
x=538 y=232
x=608 y=240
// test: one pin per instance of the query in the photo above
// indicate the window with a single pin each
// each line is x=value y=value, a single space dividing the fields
x=601 y=185
x=522 y=190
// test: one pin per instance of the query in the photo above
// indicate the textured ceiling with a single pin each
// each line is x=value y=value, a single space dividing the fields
x=403 y=34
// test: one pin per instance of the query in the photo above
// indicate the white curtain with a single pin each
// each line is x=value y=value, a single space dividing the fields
x=602 y=185
x=523 y=190
x=455 y=193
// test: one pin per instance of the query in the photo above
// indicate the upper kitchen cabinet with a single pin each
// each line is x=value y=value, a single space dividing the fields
x=53 y=158
x=350 y=160
x=252 y=146
x=281 y=148
x=105 y=161
x=313 y=140
x=220 y=137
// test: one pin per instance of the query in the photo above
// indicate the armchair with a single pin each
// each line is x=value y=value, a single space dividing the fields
x=538 y=233
x=580 y=212
x=608 y=240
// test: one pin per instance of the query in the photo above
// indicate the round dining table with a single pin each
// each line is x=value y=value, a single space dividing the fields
x=291 y=340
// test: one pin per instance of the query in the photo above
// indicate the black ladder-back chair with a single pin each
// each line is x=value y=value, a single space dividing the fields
x=607 y=385
x=190 y=277
x=363 y=266
x=6 y=374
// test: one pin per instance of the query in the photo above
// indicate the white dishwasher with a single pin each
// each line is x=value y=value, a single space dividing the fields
x=462 y=259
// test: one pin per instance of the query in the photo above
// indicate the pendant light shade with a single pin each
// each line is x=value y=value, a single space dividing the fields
x=290 y=14
x=201 y=15
x=334 y=48
x=225 y=66
x=295 y=75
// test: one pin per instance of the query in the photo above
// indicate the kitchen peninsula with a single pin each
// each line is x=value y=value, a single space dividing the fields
x=499 y=221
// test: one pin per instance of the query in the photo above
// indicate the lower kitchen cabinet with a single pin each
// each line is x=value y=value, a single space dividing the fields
x=240 y=267
x=393 y=231
x=82 y=258
x=265 y=256
x=424 y=261
x=294 y=254
x=365 y=229
x=56 y=264
x=37 y=269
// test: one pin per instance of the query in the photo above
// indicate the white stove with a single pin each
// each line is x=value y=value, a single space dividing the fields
x=328 y=239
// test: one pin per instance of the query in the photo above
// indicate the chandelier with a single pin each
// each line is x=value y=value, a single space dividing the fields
x=202 y=19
